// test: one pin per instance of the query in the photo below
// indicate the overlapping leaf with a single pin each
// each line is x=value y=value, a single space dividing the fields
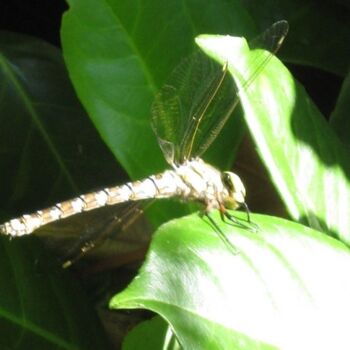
x=306 y=161
x=280 y=291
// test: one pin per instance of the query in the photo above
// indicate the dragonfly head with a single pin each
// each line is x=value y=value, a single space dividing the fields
x=235 y=188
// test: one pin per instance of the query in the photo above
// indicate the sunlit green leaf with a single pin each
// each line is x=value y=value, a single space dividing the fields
x=308 y=164
x=279 y=291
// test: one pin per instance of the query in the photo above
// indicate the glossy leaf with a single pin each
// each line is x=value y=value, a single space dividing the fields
x=270 y=295
x=119 y=54
x=306 y=161
x=120 y=59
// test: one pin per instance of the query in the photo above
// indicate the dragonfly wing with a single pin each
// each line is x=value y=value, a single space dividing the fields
x=181 y=100
x=193 y=106
x=111 y=229
x=226 y=98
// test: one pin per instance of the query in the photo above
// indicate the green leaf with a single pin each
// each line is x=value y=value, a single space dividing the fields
x=339 y=119
x=42 y=308
x=270 y=295
x=119 y=54
x=153 y=334
x=45 y=136
x=308 y=164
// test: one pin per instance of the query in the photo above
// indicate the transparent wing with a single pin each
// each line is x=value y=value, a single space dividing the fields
x=184 y=101
x=193 y=106
x=110 y=229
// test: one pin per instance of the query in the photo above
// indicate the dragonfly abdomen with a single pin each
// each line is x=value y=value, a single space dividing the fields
x=193 y=180
x=166 y=184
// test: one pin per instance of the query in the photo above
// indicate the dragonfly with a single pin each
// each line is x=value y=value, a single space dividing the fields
x=185 y=125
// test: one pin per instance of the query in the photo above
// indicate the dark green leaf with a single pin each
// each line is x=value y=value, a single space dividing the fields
x=42 y=308
x=150 y=335
x=40 y=116
x=45 y=137
x=340 y=120
x=319 y=32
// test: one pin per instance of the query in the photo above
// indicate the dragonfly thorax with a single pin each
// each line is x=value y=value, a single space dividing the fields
x=206 y=184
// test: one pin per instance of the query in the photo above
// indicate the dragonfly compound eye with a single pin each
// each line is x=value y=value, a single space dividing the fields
x=234 y=185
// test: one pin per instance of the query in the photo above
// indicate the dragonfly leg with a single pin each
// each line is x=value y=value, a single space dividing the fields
x=221 y=235
x=237 y=221
x=245 y=206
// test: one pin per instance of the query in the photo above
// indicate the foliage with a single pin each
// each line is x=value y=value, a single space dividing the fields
x=288 y=280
